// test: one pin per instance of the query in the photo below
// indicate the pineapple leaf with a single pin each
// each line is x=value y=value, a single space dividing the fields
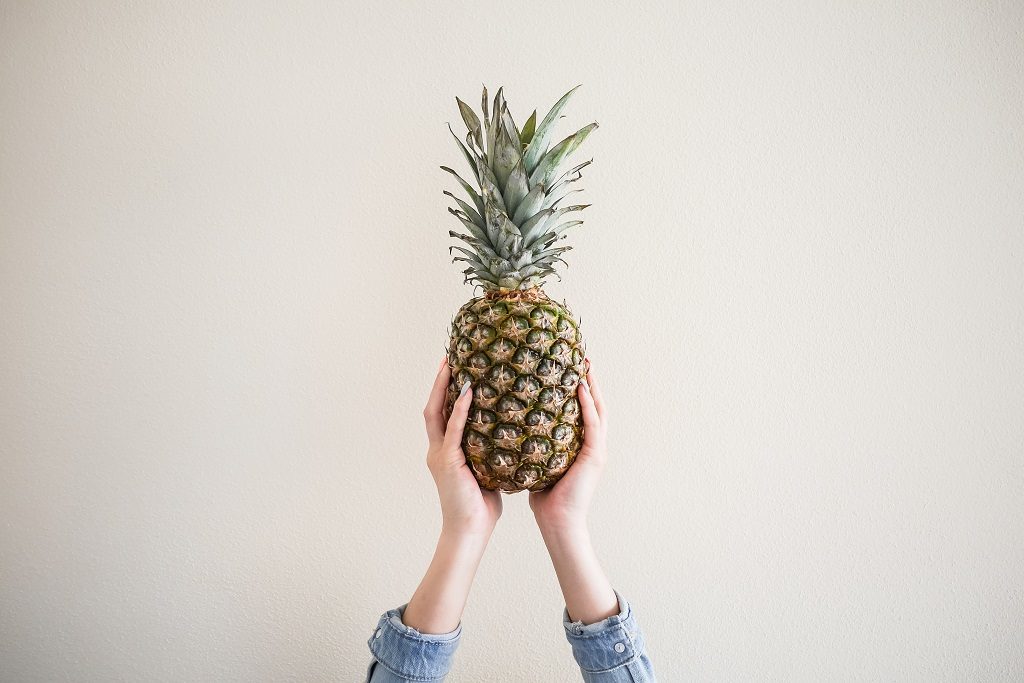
x=554 y=200
x=559 y=231
x=531 y=204
x=510 y=236
x=470 y=211
x=468 y=188
x=507 y=154
x=513 y=130
x=564 y=177
x=516 y=188
x=472 y=122
x=473 y=258
x=531 y=229
x=539 y=141
x=474 y=230
x=541 y=230
x=483 y=107
x=528 y=129
x=492 y=128
x=489 y=184
x=548 y=166
x=469 y=157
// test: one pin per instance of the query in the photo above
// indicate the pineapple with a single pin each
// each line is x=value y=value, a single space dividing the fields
x=521 y=351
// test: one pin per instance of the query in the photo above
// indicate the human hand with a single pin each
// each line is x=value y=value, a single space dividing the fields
x=565 y=505
x=465 y=507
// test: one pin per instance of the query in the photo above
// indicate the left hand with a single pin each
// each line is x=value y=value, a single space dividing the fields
x=465 y=507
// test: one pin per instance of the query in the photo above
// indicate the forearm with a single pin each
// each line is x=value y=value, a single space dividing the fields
x=437 y=604
x=585 y=588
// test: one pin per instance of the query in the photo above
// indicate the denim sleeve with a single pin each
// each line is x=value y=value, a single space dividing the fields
x=401 y=653
x=612 y=650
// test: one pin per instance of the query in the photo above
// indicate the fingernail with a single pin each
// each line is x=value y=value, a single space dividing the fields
x=465 y=388
x=586 y=385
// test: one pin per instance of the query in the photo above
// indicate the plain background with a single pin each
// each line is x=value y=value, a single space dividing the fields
x=224 y=289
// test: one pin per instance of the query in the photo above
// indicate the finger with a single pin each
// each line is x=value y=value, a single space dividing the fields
x=457 y=421
x=591 y=418
x=432 y=414
x=595 y=391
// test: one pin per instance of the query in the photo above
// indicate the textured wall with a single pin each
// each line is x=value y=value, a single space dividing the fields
x=224 y=288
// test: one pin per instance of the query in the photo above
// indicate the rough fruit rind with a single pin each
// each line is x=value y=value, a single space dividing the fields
x=524 y=357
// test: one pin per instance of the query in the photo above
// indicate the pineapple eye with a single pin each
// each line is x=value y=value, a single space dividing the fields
x=460 y=378
x=501 y=373
x=562 y=433
x=487 y=391
x=570 y=378
x=548 y=367
x=479 y=360
x=475 y=439
x=536 y=444
x=559 y=348
x=525 y=384
x=537 y=336
x=463 y=346
x=525 y=357
x=507 y=431
x=501 y=458
x=527 y=476
x=510 y=404
x=501 y=348
x=571 y=408
x=481 y=332
x=538 y=417
x=567 y=331
x=558 y=461
x=543 y=317
x=482 y=417
x=551 y=395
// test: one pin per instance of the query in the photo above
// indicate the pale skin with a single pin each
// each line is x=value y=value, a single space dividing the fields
x=469 y=515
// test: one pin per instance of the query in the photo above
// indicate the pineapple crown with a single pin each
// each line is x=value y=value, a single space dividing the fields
x=514 y=218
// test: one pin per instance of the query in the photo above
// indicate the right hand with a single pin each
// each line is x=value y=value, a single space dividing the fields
x=465 y=507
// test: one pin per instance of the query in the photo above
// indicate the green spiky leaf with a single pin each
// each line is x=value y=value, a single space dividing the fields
x=531 y=204
x=539 y=142
x=473 y=214
x=528 y=129
x=473 y=194
x=472 y=122
x=548 y=166
x=516 y=188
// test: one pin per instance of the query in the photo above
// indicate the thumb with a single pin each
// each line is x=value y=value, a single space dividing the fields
x=457 y=421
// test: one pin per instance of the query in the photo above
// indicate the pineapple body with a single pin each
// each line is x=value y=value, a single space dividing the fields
x=524 y=357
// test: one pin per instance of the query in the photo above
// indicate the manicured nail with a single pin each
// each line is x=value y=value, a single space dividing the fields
x=465 y=388
x=586 y=385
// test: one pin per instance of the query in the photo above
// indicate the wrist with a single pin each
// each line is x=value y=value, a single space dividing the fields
x=465 y=536
x=564 y=532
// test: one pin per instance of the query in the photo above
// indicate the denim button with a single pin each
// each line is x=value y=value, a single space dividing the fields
x=377 y=634
x=620 y=648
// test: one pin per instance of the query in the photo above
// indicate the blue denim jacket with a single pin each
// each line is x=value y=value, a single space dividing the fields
x=610 y=651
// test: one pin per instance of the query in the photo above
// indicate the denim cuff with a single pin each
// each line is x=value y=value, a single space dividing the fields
x=609 y=644
x=410 y=654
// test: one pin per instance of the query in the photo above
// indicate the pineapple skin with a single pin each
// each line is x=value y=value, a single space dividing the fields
x=524 y=357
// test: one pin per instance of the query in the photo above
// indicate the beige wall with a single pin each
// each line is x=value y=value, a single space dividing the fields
x=224 y=287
